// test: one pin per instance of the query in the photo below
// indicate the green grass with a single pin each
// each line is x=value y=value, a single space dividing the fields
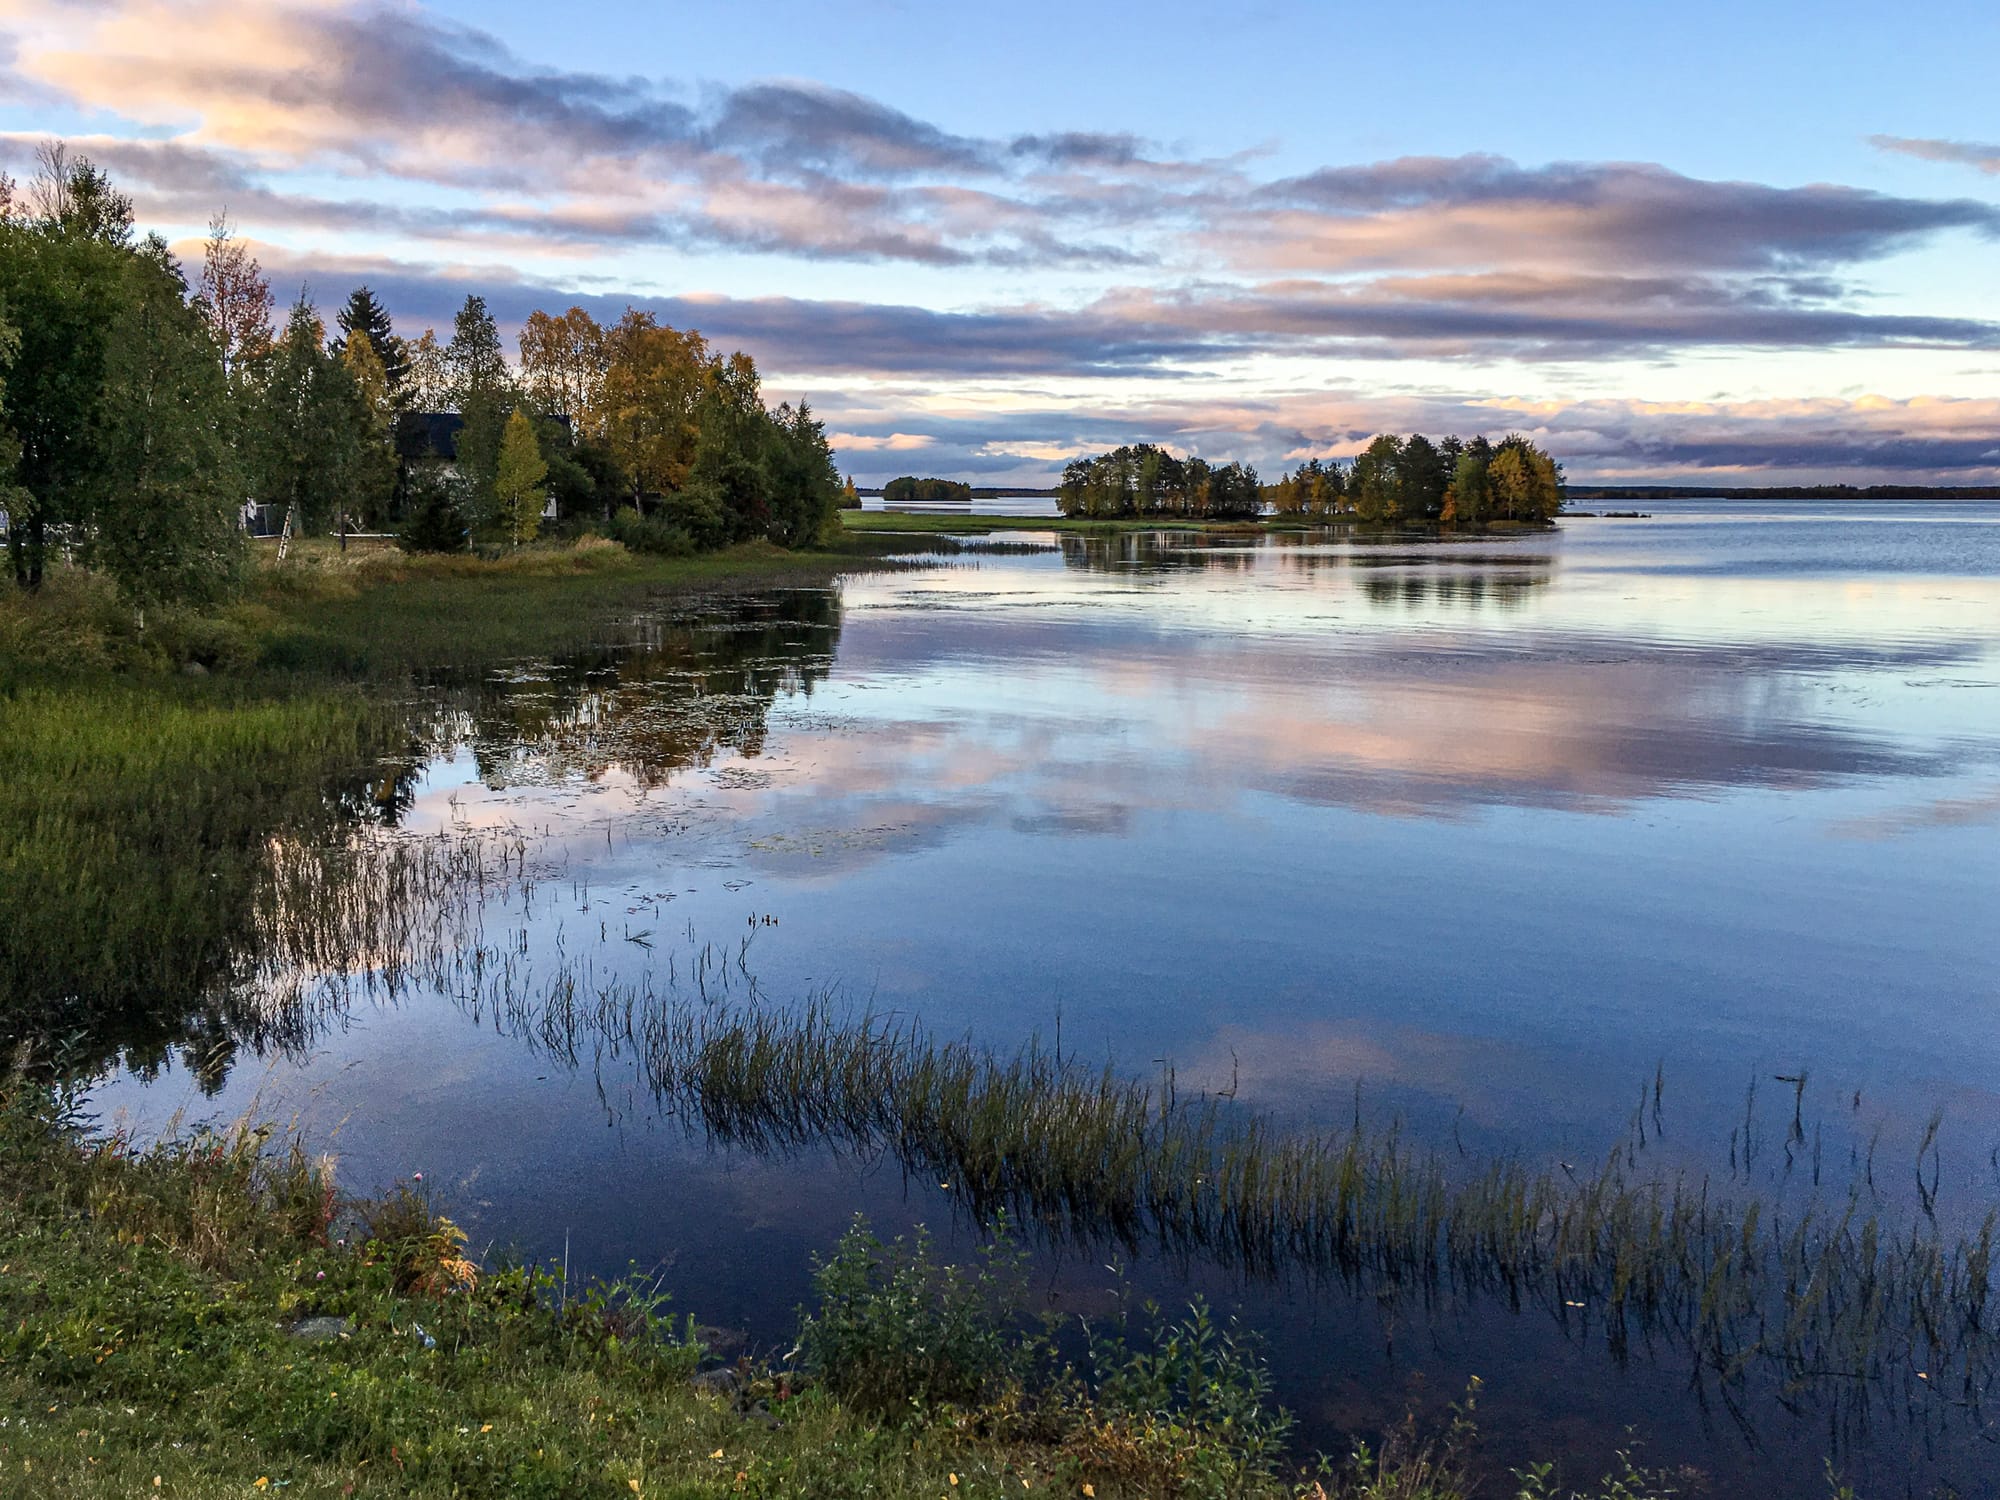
x=140 y=807
x=135 y=822
x=383 y=612
x=149 y=1302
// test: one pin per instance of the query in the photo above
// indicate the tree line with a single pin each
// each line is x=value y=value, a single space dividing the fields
x=1395 y=479
x=1144 y=480
x=908 y=487
x=1457 y=481
x=142 y=411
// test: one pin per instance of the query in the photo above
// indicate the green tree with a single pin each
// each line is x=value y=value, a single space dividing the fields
x=1470 y=498
x=64 y=294
x=165 y=522
x=804 y=483
x=725 y=498
x=310 y=424
x=1375 y=484
x=364 y=315
x=1425 y=476
x=1527 y=484
x=483 y=392
x=518 y=480
x=73 y=199
x=432 y=521
x=374 y=477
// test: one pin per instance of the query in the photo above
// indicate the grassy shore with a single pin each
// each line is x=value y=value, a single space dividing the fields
x=210 y=1317
x=371 y=609
x=146 y=765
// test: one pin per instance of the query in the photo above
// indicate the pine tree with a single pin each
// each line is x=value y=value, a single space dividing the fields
x=364 y=315
x=432 y=521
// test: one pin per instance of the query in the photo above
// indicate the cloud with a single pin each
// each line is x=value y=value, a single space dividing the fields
x=794 y=167
x=1976 y=154
x=1486 y=211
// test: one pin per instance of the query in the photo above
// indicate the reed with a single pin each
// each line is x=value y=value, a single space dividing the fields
x=1831 y=1299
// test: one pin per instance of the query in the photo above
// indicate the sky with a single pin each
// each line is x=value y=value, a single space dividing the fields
x=1703 y=243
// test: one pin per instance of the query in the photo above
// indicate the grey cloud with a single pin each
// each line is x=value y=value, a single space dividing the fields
x=1635 y=213
x=1976 y=154
x=1080 y=148
x=796 y=128
x=1149 y=334
x=390 y=89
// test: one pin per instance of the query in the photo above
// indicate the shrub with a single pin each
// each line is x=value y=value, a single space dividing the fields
x=654 y=535
x=433 y=521
x=1180 y=1407
x=896 y=1332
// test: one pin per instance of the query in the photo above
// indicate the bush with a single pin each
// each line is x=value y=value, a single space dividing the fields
x=653 y=535
x=432 y=521
x=1181 y=1407
x=896 y=1332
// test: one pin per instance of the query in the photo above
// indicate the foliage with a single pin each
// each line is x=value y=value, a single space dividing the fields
x=1144 y=480
x=310 y=422
x=518 y=478
x=164 y=524
x=374 y=480
x=1397 y=480
x=655 y=381
x=907 y=488
x=364 y=317
x=896 y=1331
x=802 y=482
x=432 y=520
x=234 y=296
x=652 y=535
x=482 y=393
x=564 y=360
x=64 y=294
x=1313 y=489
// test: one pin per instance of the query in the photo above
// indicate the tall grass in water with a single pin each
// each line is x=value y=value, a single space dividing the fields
x=1831 y=1299
x=1835 y=1296
x=133 y=824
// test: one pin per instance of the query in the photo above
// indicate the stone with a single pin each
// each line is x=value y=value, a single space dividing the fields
x=320 y=1330
x=717 y=1382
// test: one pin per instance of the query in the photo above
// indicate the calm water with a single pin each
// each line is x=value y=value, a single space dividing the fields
x=1481 y=836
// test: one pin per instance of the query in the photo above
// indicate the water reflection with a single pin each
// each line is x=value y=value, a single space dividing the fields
x=1478 y=834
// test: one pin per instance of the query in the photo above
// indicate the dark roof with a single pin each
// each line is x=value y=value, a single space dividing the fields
x=428 y=434
x=434 y=434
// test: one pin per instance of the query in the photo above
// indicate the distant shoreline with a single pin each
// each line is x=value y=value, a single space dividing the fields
x=1661 y=492
x=1784 y=492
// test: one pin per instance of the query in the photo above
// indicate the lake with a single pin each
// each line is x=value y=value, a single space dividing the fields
x=1510 y=843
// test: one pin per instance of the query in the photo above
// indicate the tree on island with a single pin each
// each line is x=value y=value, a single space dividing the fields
x=1455 y=481
x=1144 y=480
x=908 y=488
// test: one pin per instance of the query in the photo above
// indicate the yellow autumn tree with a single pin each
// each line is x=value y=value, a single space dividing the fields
x=653 y=385
x=517 y=483
x=563 y=360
